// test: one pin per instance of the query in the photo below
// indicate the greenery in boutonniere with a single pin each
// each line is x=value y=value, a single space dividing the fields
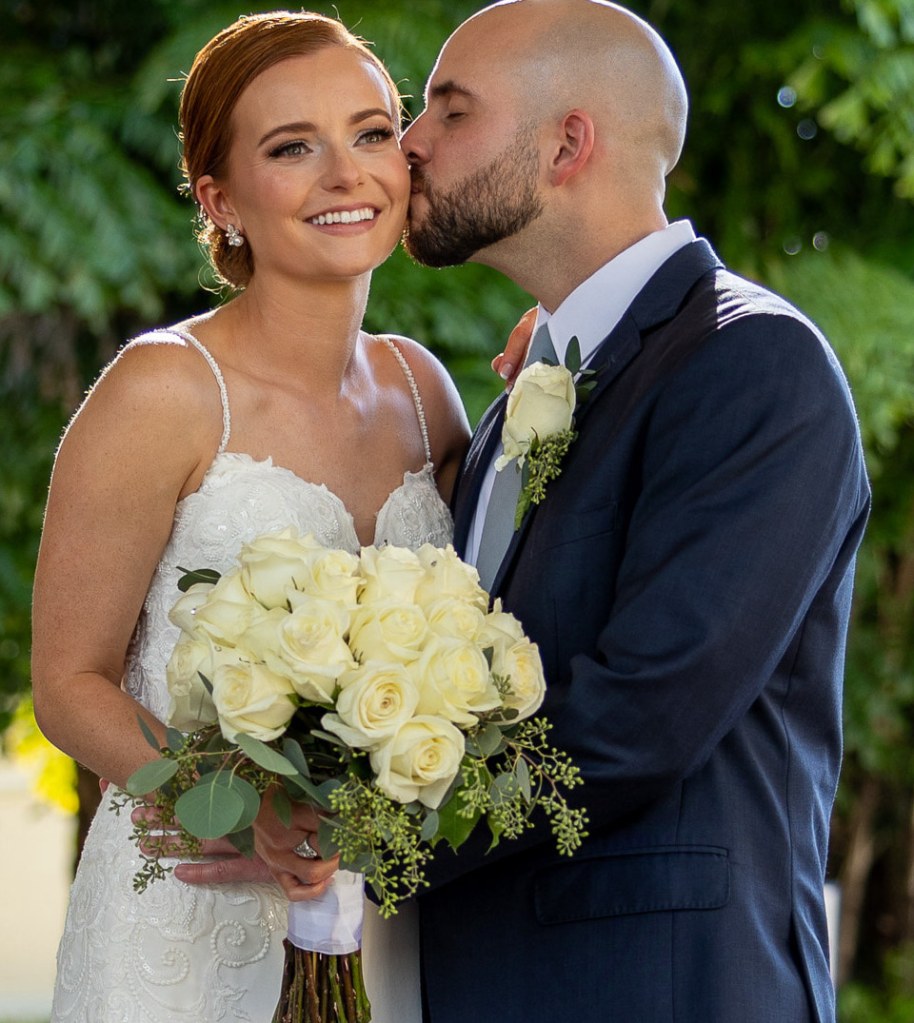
x=539 y=423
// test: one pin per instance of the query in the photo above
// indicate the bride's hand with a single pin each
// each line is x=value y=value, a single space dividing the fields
x=302 y=878
x=511 y=361
x=299 y=877
x=229 y=865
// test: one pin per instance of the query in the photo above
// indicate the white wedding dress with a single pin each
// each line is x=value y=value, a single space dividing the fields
x=188 y=954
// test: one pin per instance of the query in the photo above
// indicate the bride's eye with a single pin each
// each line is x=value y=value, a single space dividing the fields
x=296 y=148
x=374 y=135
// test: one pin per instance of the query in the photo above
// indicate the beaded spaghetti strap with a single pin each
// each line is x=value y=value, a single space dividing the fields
x=217 y=373
x=417 y=400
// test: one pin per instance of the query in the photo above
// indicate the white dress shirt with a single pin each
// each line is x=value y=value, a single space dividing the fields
x=590 y=313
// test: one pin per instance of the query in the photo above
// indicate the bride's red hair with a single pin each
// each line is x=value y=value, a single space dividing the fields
x=221 y=71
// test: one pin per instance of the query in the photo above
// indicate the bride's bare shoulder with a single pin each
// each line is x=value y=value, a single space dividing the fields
x=159 y=372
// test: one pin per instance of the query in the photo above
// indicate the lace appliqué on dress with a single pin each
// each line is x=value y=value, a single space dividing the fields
x=180 y=953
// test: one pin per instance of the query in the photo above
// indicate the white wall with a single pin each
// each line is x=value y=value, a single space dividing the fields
x=36 y=851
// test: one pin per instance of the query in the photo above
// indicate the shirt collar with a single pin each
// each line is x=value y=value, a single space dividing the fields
x=596 y=305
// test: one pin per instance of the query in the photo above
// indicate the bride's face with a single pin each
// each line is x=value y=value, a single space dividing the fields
x=315 y=177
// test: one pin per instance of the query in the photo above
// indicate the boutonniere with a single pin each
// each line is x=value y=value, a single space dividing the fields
x=539 y=423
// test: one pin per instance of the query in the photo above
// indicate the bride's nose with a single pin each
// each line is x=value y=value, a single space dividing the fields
x=340 y=168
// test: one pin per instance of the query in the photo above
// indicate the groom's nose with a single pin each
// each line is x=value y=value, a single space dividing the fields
x=412 y=142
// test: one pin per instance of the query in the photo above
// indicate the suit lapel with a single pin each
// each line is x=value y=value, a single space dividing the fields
x=657 y=302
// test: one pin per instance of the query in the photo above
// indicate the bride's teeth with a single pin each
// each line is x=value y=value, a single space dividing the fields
x=344 y=216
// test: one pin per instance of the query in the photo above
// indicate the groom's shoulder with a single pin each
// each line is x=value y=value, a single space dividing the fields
x=737 y=298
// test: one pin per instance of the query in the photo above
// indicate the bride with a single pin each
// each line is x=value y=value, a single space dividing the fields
x=277 y=409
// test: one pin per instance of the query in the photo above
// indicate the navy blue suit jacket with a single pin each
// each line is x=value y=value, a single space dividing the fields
x=688 y=580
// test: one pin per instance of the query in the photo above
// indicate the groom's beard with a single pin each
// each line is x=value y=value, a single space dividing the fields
x=487 y=206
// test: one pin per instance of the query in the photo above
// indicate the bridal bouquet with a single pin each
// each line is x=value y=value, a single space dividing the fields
x=378 y=688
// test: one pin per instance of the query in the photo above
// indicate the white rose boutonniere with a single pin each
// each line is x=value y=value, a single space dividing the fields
x=539 y=423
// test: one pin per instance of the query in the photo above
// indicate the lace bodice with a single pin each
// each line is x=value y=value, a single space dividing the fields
x=181 y=954
x=241 y=498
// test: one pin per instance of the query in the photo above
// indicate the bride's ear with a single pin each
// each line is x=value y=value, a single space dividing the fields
x=215 y=202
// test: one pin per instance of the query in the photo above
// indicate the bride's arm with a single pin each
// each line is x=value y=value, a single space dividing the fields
x=136 y=445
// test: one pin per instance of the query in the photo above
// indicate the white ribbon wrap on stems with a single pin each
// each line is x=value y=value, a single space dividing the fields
x=331 y=923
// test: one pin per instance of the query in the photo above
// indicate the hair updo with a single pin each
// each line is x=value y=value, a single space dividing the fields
x=221 y=71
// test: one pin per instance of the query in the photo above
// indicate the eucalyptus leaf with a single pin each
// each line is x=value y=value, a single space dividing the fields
x=299 y=786
x=282 y=807
x=495 y=829
x=489 y=738
x=573 y=356
x=174 y=739
x=243 y=841
x=327 y=787
x=522 y=774
x=151 y=776
x=430 y=826
x=265 y=756
x=363 y=864
x=503 y=789
x=326 y=841
x=248 y=793
x=293 y=752
x=207 y=685
x=452 y=827
x=196 y=575
x=148 y=735
x=334 y=740
x=209 y=810
x=192 y=576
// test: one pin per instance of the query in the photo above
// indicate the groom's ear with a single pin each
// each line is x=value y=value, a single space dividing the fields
x=573 y=145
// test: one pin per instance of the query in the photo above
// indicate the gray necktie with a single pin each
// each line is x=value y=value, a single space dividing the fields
x=498 y=527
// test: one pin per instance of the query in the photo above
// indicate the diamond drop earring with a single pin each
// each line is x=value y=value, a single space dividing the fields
x=233 y=236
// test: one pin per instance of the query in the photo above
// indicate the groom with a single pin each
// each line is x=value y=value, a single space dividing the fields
x=688 y=576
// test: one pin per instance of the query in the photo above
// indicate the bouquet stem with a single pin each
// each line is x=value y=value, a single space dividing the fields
x=320 y=988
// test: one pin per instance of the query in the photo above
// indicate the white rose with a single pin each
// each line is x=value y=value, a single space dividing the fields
x=183 y=614
x=388 y=631
x=332 y=574
x=420 y=761
x=251 y=700
x=446 y=575
x=191 y=705
x=375 y=699
x=390 y=573
x=449 y=616
x=454 y=680
x=522 y=666
x=272 y=564
x=228 y=611
x=310 y=649
x=541 y=404
x=500 y=630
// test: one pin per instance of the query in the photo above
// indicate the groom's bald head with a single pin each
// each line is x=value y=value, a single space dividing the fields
x=544 y=117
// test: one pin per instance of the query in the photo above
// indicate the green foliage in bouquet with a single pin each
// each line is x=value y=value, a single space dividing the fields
x=213 y=788
x=379 y=689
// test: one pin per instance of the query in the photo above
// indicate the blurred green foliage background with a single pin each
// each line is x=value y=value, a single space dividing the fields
x=799 y=167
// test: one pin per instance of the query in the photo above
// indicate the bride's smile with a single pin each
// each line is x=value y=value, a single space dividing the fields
x=314 y=177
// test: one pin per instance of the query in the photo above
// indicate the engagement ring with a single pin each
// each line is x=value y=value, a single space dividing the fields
x=306 y=850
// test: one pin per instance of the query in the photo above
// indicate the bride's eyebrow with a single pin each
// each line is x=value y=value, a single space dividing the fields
x=306 y=126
